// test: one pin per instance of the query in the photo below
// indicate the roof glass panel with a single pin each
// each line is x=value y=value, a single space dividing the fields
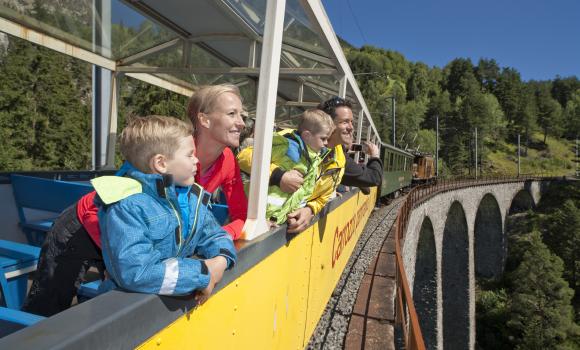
x=123 y=31
x=298 y=30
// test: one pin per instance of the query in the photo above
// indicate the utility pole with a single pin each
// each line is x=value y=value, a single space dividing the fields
x=393 y=107
x=437 y=145
x=519 y=153
x=577 y=170
x=476 y=153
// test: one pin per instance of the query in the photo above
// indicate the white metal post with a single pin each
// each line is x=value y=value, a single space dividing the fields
x=369 y=131
x=101 y=82
x=342 y=87
x=256 y=222
x=113 y=127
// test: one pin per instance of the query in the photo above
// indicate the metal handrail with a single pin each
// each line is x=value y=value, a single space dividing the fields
x=406 y=315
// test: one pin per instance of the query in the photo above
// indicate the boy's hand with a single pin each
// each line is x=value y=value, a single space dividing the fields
x=202 y=295
x=216 y=266
x=291 y=181
x=299 y=219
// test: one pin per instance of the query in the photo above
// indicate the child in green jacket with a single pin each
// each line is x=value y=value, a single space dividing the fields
x=301 y=150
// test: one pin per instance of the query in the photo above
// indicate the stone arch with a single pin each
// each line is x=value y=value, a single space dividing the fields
x=489 y=239
x=522 y=201
x=455 y=279
x=425 y=284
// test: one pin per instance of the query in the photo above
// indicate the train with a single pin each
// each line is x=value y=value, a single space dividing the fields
x=403 y=169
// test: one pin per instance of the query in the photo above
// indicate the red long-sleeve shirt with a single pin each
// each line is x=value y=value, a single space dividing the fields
x=224 y=173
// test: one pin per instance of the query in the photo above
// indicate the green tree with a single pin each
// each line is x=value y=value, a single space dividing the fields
x=487 y=73
x=563 y=89
x=563 y=238
x=572 y=116
x=540 y=316
x=460 y=79
x=44 y=113
x=549 y=113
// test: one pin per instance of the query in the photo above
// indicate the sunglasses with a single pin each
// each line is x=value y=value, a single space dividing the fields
x=334 y=102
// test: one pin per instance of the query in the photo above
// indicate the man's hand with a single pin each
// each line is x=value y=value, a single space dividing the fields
x=291 y=181
x=299 y=219
x=371 y=149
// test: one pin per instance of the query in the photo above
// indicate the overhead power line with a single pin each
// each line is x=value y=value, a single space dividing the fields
x=356 y=22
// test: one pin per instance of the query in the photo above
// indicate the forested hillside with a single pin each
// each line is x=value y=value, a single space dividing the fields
x=465 y=96
x=45 y=110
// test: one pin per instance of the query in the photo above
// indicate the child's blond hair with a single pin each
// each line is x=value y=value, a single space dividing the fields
x=205 y=98
x=315 y=120
x=144 y=137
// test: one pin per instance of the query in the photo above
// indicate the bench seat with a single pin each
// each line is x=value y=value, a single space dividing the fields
x=16 y=261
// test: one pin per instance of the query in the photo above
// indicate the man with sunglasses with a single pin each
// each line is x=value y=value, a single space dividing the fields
x=357 y=175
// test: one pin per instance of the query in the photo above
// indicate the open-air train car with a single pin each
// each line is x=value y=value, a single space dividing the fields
x=285 y=57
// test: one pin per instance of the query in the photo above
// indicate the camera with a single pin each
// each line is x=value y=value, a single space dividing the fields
x=356 y=147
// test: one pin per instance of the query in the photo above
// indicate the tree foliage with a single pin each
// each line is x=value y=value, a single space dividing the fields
x=464 y=96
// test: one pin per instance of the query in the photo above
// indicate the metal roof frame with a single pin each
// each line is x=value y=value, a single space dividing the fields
x=269 y=96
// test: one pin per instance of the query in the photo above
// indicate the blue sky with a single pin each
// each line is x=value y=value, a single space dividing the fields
x=540 y=38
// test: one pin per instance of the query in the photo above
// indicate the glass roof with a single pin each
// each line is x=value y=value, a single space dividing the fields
x=123 y=30
x=191 y=43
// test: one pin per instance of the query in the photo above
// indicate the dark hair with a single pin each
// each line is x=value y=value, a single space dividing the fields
x=329 y=106
x=248 y=129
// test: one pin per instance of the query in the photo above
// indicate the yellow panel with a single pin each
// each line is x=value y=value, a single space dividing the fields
x=331 y=251
x=266 y=307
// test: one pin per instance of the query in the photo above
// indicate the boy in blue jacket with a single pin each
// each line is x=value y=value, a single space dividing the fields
x=155 y=218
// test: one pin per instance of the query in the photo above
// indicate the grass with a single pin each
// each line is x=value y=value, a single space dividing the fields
x=556 y=158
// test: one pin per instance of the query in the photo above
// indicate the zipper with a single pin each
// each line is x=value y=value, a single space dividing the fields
x=190 y=235
x=178 y=221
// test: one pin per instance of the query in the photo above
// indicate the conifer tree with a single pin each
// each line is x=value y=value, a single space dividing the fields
x=541 y=315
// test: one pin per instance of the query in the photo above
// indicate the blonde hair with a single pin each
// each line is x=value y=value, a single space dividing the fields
x=144 y=137
x=205 y=98
x=315 y=120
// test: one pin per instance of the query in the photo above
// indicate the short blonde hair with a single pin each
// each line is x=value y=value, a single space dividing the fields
x=315 y=120
x=205 y=98
x=144 y=137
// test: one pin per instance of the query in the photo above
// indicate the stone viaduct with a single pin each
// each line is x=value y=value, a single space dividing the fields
x=453 y=238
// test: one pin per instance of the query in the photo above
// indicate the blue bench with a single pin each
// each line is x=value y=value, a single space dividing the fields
x=16 y=261
x=88 y=290
x=14 y=320
x=43 y=194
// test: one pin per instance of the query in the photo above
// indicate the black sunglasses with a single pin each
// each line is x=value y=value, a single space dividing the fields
x=334 y=102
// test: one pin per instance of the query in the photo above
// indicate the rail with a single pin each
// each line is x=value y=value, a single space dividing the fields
x=406 y=315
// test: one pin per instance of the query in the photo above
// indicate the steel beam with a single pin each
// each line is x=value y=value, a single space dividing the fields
x=38 y=38
x=256 y=222
x=225 y=70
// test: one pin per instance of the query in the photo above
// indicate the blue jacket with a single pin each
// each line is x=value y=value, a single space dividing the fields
x=143 y=247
